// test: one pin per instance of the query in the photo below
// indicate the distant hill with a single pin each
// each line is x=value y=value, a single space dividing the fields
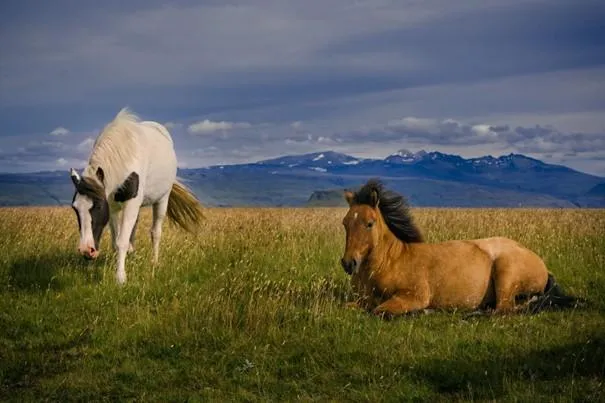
x=595 y=197
x=327 y=198
x=426 y=178
x=597 y=191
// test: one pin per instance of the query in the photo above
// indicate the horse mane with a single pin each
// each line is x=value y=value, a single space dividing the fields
x=114 y=150
x=394 y=209
x=91 y=188
x=160 y=128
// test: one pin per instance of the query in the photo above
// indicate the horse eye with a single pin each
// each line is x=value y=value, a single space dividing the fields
x=370 y=224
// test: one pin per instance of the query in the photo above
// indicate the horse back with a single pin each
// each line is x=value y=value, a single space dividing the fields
x=159 y=128
x=457 y=273
x=157 y=162
x=516 y=264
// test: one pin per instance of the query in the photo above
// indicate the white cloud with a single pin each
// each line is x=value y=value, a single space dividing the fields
x=86 y=145
x=482 y=130
x=59 y=131
x=207 y=126
x=61 y=162
x=413 y=123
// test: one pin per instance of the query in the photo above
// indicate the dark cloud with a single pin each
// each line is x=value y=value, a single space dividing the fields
x=536 y=140
x=46 y=154
x=336 y=66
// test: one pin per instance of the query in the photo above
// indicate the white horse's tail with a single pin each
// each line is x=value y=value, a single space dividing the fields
x=184 y=209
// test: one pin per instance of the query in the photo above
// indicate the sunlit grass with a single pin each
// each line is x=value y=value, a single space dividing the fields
x=252 y=309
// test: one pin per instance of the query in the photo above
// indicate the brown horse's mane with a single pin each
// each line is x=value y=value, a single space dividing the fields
x=394 y=209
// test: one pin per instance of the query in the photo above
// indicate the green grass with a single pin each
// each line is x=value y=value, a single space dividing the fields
x=252 y=310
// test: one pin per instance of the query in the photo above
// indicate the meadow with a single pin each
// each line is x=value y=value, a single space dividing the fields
x=252 y=309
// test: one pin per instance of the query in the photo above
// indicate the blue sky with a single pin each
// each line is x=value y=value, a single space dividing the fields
x=239 y=81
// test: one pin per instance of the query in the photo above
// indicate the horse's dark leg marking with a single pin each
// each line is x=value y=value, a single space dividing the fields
x=129 y=189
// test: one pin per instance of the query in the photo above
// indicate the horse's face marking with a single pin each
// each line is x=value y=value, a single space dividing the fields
x=361 y=235
x=129 y=189
x=92 y=213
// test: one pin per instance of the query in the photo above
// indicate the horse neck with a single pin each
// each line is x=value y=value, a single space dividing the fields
x=114 y=151
x=108 y=185
x=388 y=248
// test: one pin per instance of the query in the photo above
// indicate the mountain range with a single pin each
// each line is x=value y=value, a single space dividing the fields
x=425 y=178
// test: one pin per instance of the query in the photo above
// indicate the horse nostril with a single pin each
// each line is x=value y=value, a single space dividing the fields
x=348 y=265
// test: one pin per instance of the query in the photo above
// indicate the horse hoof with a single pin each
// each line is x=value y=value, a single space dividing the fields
x=121 y=279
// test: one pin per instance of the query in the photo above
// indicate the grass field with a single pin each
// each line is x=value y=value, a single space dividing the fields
x=252 y=310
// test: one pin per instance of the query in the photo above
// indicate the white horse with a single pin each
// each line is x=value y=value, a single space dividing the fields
x=132 y=164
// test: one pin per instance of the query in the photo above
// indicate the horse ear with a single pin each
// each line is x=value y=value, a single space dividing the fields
x=374 y=199
x=349 y=196
x=75 y=177
x=100 y=174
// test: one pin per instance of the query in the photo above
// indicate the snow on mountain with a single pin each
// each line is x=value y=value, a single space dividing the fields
x=404 y=156
x=320 y=159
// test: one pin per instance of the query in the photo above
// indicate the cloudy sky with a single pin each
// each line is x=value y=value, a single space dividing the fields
x=239 y=81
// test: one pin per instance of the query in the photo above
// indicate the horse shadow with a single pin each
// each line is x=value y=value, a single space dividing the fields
x=51 y=271
x=486 y=377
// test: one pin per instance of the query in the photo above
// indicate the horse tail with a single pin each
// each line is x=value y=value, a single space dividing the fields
x=184 y=209
x=554 y=298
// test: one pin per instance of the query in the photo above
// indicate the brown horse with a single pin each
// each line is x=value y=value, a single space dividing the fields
x=394 y=272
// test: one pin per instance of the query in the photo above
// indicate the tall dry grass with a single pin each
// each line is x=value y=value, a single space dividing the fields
x=251 y=308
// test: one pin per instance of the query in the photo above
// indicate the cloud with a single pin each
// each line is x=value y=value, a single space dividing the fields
x=447 y=131
x=440 y=133
x=210 y=54
x=349 y=70
x=207 y=126
x=42 y=153
x=59 y=131
x=85 y=145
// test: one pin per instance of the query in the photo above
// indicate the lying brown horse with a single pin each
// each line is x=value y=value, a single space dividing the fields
x=394 y=272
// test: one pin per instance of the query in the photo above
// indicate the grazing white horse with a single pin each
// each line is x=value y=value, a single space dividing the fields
x=132 y=164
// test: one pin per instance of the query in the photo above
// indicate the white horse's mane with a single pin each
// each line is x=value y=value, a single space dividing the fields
x=114 y=150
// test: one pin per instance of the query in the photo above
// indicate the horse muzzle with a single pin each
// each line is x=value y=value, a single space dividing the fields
x=349 y=265
x=89 y=253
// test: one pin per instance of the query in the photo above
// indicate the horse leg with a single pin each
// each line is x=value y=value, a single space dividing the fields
x=505 y=288
x=133 y=235
x=401 y=303
x=159 y=212
x=114 y=226
x=129 y=218
x=114 y=222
